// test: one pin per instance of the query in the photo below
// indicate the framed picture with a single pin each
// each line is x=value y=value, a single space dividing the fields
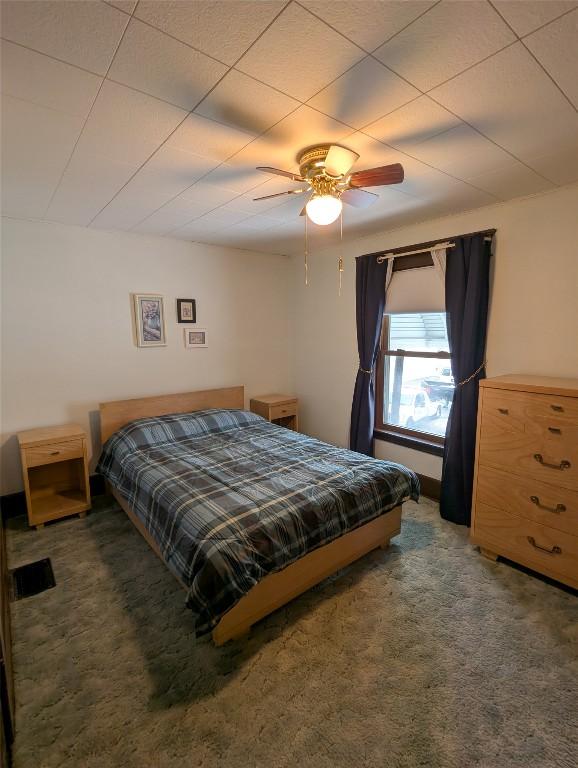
x=149 y=318
x=186 y=311
x=195 y=338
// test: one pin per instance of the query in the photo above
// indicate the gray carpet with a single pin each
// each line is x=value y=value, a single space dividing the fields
x=424 y=655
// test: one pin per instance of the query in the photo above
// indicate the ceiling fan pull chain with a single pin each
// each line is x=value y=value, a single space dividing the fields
x=341 y=251
x=306 y=254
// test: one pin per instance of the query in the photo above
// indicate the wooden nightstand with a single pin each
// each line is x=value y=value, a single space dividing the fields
x=281 y=409
x=55 y=472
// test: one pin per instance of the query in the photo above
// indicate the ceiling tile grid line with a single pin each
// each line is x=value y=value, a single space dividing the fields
x=49 y=56
x=190 y=112
x=87 y=118
x=533 y=55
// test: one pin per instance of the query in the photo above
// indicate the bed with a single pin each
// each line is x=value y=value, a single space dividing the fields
x=245 y=514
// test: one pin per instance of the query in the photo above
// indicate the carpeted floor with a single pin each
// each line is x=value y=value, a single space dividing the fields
x=424 y=655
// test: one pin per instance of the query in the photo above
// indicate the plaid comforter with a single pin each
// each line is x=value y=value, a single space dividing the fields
x=229 y=497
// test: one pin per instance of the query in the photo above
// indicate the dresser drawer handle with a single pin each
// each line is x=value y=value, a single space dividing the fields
x=558 y=508
x=554 y=551
x=505 y=411
x=562 y=465
x=54 y=453
x=557 y=408
x=555 y=430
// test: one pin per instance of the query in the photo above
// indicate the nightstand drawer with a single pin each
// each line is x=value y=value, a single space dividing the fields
x=52 y=452
x=279 y=411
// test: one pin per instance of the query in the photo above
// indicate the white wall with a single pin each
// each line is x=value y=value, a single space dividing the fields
x=533 y=323
x=67 y=334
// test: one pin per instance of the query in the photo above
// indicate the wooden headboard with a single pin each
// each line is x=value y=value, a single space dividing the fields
x=117 y=413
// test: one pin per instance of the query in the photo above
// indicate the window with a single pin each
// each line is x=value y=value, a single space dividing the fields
x=414 y=380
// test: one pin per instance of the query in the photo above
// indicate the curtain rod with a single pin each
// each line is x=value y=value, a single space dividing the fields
x=427 y=246
x=430 y=248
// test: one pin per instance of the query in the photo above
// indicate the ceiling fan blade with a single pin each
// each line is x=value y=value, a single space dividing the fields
x=279 y=172
x=359 y=198
x=339 y=160
x=378 y=177
x=280 y=194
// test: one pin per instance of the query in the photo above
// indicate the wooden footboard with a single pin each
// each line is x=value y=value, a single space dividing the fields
x=277 y=589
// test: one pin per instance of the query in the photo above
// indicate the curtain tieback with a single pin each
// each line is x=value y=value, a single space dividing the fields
x=473 y=376
x=363 y=370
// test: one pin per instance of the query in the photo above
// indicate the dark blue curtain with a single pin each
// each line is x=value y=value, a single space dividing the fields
x=370 y=303
x=467 y=290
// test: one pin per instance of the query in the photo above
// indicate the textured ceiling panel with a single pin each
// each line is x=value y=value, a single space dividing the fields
x=364 y=93
x=85 y=34
x=513 y=101
x=154 y=63
x=285 y=55
x=222 y=28
x=246 y=104
x=524 y=16
x=446 y=40
x=49 y=83
x=368 y=23
x=556 y=47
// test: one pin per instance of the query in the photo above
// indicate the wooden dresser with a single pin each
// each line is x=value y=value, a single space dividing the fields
x=525 y=502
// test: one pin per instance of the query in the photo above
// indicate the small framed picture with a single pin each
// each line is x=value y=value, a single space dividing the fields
x=186 y=311
x=149 y=318
x=195 y=338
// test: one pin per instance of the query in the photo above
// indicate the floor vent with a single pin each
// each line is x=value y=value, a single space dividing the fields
x=31 y=579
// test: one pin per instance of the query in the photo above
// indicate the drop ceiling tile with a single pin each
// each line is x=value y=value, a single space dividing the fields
x=127 y=126
x=222 y=28
x=150 y=61
x=123 y=5
x=511 y=100
x=525 y=17
x=36 y=145
x=172 y=171
x=369 y=23
x=462 y=152
x=220 y=218
x=132 y=204
x=201 y=136
x=560 y=165
x=88 y=184
x=413 y=123
x=364 y=93
x=262 y=221
x=246 y=104
x=207 y=196
x=512 y=181
x=173 y=215
x=85 y=34
x=238 y=178
x=445 y=41
x=556 y=47
x=44 y=81
x=299 y=54
x=196 y=231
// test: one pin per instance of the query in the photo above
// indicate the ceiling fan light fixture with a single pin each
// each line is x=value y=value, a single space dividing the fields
x=323 y=209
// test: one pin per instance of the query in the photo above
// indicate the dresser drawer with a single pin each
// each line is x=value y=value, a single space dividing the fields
x=52 y=452
x=528 y=412
x=549 y=459
x=279 y=411
x=539 y=547
x=546 y=504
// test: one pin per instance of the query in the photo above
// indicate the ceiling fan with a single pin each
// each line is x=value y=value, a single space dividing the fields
x=324 y=169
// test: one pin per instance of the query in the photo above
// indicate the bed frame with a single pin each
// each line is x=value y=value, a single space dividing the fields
x=274 y=590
